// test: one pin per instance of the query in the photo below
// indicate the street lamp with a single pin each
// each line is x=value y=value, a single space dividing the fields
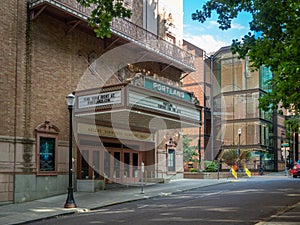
x=199 y=142
x=70 y=202
x=239 y=148
x=283 y=148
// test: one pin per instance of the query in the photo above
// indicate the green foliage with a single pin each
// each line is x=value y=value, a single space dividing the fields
x=230 y=157
x=193 y=170
x=293 y=124
x=273 y=42
x=103 y=13
x=188 y=151
x=245 y=155
x=212 y=167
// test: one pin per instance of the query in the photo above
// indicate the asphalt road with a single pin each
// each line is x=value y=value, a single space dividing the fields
x=242 y=202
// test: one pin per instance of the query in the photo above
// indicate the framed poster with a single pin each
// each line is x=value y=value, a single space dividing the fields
x=47 y=154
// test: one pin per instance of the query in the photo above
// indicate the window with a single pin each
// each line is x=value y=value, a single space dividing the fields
x=46 y=153
x=171 y=160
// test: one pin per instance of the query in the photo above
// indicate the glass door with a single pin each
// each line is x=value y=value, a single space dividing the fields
x=116 y=165
x=127 y=171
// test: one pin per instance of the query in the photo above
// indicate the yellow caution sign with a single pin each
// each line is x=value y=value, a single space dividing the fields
x=247 y=172
x=233 y=172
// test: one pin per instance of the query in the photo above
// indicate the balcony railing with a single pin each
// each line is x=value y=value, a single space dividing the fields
x=129 y=31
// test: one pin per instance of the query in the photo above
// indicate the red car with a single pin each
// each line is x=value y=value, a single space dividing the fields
x=295 y=171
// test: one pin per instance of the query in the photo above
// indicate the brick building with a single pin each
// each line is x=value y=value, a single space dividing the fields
x=130 y=106
x=199 y=83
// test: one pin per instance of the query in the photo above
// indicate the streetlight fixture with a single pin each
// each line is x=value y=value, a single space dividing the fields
x=239 y=146
x=70 y=202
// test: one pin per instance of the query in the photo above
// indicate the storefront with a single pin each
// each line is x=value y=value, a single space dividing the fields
x=120 y=127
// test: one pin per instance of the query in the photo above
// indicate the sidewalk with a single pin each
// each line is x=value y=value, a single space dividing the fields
x=21 y=213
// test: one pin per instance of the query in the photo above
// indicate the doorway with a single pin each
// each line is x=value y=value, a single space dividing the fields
x=112 y=162
x=121 y=166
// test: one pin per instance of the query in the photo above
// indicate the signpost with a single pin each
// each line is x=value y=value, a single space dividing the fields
x=285 y=148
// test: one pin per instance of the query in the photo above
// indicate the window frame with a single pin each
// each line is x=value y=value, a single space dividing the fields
x=46 y=130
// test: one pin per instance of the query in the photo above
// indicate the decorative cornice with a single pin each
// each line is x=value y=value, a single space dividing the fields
x=47 y=127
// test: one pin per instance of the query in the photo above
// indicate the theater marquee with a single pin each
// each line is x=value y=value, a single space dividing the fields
x=125 y=104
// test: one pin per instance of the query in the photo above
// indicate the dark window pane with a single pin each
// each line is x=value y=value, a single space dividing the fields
x=117 y=164
x=171 y=160
x=85 y=165
x=127 y=164
x=96 y=162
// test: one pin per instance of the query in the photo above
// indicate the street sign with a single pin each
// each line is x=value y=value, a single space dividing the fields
x=285 y=152
x=285 y=145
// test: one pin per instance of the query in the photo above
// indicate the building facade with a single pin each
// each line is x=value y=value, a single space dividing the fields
x=130 y=106
x=238 y=123
x=199 y=83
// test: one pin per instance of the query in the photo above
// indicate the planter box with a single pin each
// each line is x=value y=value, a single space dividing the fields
x=206 y=175
x=90 y=185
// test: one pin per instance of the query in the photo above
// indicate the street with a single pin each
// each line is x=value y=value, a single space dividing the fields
x=245 y=201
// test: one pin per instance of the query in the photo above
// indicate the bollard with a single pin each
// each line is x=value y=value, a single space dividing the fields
x=142 y=178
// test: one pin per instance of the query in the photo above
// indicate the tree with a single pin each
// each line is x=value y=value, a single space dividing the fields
x=273 y=42
x=188 y=151
x=230 y=156
x=102 y=14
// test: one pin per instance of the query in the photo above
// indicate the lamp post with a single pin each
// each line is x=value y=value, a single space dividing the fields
x=199 y=144
x=283 y=148
x=239 y=147
x=70 y=202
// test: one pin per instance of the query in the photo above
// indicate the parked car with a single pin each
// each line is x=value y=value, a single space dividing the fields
x=295 y=171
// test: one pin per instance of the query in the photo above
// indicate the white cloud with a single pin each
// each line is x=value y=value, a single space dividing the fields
x=213 y=24
x=206 y=42
x=237 y=26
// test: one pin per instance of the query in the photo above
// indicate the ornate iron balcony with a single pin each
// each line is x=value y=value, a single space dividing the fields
x=129 y=31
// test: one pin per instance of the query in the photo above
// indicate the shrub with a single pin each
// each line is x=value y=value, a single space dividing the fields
x=212 y=167
x=193 y=170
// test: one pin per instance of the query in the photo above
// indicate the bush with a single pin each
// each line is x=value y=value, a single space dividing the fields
x=212 y=167
x=193 y=170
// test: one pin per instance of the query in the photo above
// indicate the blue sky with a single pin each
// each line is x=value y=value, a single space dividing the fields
x=207 y=35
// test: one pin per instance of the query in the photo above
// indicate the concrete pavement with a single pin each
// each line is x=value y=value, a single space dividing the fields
x=22 y=213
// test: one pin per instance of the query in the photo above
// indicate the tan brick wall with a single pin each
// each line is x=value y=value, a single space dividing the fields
x=36 y=76
x=12 y=76
x=58 y=63
x=12 y=65
x=194 y=82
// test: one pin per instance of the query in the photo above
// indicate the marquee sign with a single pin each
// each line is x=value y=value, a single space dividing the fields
x=133 y=97
x=101 y=99
x=163 y=106
x=166 y=89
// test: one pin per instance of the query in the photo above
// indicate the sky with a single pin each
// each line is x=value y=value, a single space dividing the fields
x=207 y=35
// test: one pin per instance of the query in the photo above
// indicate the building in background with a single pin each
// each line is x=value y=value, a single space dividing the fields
x=237 y=120
x=199 y=83
x=130 y=106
